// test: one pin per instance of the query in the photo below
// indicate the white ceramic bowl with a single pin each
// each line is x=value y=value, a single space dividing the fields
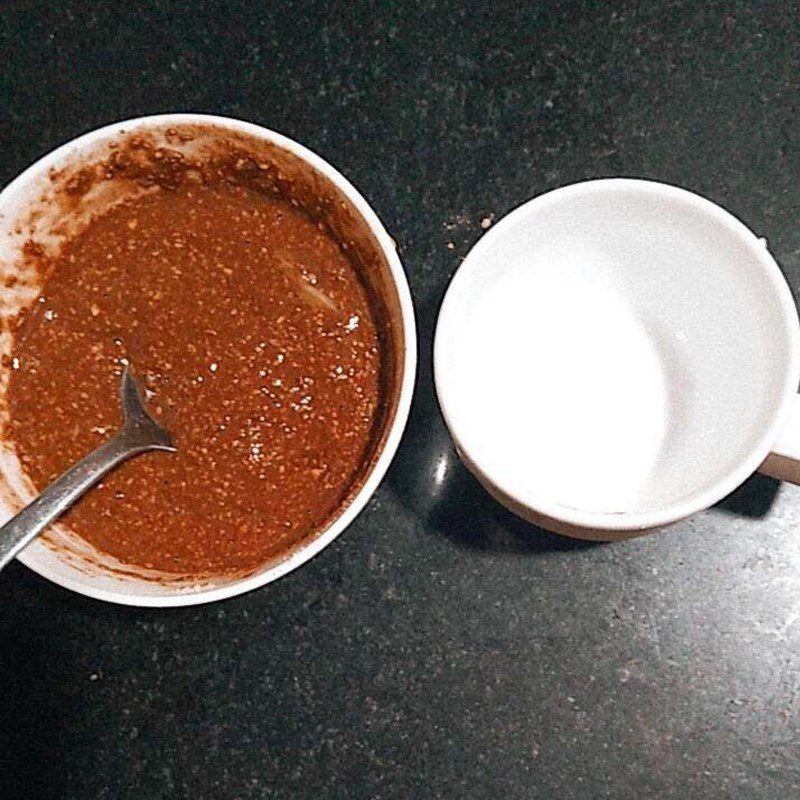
x=65 y=564
x=617 y=354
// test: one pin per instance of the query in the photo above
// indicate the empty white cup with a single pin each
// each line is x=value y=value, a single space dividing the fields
x=618 y=354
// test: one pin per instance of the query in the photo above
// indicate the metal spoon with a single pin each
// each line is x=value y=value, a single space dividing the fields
x=138 y=434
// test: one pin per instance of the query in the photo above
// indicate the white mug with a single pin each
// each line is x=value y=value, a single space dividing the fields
x=73 y=564
x=618 y=354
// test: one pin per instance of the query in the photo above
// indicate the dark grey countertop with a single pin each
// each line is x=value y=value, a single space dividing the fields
x=440 y=647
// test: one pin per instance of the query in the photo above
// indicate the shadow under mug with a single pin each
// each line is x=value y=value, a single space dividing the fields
x=618 y=354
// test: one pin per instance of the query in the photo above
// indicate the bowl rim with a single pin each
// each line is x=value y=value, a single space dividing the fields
x=303 y=553
x=610 y=522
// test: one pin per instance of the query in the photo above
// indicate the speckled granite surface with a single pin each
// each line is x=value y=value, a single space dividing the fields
x=440 y=648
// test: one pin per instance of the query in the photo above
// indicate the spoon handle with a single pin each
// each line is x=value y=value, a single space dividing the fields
x=62 y=493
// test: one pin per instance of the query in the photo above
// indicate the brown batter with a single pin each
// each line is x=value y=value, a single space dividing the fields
x=257 y=343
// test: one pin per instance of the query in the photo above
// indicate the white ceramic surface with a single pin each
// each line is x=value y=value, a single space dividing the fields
x=66 y=572
x=615 y=355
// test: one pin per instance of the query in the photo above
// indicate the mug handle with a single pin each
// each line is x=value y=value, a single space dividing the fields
x=783 y=462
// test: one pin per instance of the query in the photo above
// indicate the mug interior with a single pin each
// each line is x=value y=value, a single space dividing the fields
x=36 y=207
x=616 y=353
